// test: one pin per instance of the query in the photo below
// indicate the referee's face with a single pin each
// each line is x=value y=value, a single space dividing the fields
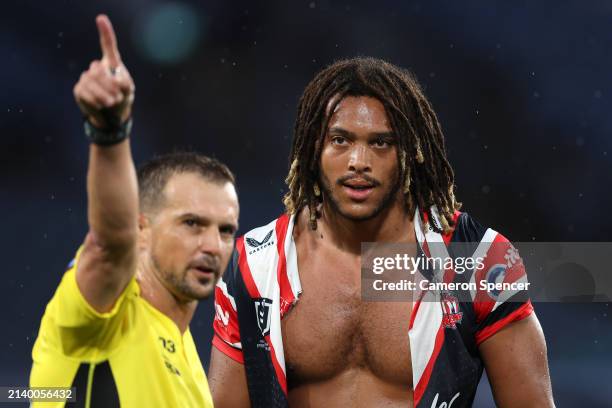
x=192 y=235
x=359 y=165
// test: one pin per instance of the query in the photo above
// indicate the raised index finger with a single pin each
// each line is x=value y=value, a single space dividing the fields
x=108 y=41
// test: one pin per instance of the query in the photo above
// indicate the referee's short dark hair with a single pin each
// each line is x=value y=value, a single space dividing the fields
x=154 y=174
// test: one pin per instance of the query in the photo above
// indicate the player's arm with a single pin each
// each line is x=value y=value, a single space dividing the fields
x=105 y=93
x=227 y=380
x=226 y=373
x=517 y=367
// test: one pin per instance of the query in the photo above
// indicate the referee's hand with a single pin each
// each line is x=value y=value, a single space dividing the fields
x=105 y=92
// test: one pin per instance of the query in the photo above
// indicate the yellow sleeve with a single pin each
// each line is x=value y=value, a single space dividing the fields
x=75 y=329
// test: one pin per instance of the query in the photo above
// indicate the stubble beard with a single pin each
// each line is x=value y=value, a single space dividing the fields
x=179 y=285
x=385 y=203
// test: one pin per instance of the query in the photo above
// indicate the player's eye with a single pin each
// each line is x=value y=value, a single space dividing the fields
x=338 y=140
x=382 y=143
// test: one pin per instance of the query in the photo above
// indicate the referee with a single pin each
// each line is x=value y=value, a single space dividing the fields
x=117 y=327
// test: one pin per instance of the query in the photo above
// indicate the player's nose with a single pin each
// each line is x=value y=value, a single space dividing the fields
x=359 y=159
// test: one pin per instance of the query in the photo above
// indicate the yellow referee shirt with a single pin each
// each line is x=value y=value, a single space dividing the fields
x=132 y=356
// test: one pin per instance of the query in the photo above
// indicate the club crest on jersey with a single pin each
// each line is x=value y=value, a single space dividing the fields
x=262 y=309
x=451 y=315
x=259 y=245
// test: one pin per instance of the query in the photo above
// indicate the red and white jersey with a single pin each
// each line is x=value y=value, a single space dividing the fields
x=262 y=283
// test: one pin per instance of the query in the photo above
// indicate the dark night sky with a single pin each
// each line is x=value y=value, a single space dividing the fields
x=523 y=92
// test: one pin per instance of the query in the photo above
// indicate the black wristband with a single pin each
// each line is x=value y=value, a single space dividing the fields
x=103 y=137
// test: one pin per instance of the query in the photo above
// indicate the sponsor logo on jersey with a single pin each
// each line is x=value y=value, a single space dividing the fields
x=259 y=245
x=495 y=274
x=221 y=315
x=262 y=309
x=512 y=256
x=434 y=403
x=451 y=313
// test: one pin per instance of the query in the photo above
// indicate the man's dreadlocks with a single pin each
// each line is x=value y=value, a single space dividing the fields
x=425 y=173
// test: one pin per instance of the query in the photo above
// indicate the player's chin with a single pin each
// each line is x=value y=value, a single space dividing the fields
x=362 y=211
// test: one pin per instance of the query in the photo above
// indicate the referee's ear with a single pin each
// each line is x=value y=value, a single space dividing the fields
x=144 y=231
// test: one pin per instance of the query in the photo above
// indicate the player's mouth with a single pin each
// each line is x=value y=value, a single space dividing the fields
x=358 y=189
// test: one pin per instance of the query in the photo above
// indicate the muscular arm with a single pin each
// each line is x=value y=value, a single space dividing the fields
x=517 y=367
x=108 y=259
x=227 y=380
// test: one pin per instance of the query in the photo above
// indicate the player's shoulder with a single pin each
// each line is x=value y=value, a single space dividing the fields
x=264 y=238
x=257 y=249
x=255 y=259
x=469 y=229
x=466 y=228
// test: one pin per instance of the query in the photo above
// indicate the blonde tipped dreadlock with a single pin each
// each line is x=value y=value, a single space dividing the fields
x=292 y=183
x=419 y=154
x=427 y=176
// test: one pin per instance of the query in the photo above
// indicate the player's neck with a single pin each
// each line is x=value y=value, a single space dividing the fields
x=154 y=292
x=393 y=224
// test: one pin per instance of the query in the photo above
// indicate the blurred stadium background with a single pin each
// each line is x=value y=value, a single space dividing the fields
x=523 y=91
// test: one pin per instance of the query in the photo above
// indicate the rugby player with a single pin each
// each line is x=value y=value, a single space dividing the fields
x=367 y=164
x=117 y=327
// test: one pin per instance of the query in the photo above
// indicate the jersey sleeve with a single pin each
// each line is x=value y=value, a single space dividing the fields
x=74 y=328
x=226 y=328
x=495 y=309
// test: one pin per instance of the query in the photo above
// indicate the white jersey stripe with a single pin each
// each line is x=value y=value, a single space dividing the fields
x=262 y=257
x=223 y=286
x=481 y=252
x=423 y=334
x=507 y=294
x=291 y=257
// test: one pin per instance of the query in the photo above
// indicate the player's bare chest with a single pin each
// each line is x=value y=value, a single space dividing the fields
x=331 y=330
